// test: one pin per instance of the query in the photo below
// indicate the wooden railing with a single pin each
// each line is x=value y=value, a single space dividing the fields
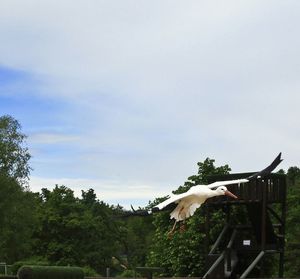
x=253 y=191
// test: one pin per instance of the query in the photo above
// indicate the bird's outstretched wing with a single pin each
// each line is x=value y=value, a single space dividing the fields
x=261 y=173
x=134 y=212
x=165 y=205
x=172 y=199
x=226 y=182
x=268 y=169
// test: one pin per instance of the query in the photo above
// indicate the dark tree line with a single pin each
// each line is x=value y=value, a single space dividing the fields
x=54 y=227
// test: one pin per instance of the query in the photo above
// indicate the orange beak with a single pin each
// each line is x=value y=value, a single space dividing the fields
x=229 y=194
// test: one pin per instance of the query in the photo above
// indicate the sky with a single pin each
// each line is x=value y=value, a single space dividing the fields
x=126 y=96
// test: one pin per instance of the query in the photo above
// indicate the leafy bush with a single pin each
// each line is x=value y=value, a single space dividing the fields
x=88 y=271
x=33 y=261
x=128 y=273
x=50 y=272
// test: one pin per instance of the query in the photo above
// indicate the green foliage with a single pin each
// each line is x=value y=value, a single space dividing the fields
x=17 y=205
x=292 y=255
x=8 y=277
x=89 y=272
x=128 y=273
x=32 y=261
x=14 y=155
x=136 y=238
x=293 y=174
x=17 y=220
x=75 y=231
x=50 y=272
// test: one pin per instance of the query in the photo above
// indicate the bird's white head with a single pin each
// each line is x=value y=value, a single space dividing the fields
x=222 y=190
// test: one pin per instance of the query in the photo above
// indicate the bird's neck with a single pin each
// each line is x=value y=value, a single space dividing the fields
x=214 y=193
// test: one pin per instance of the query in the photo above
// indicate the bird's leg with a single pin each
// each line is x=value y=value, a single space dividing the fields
x=183 y=226
x=171 y=232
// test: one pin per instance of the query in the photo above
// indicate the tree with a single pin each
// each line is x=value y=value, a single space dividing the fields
x=14 y=155
x=17 y=206
x=75 y=231
x=138 y=233
x=293 y=174
x=17 y=220
x=292 y=254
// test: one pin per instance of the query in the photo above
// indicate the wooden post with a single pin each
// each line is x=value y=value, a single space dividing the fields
x=282 y=229
x=252 y=265
x=263 y=220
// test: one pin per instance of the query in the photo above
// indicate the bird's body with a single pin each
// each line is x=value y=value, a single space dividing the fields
x=188 y=202
x=187 y=206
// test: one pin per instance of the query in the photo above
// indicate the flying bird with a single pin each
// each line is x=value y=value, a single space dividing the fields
x=186 y=203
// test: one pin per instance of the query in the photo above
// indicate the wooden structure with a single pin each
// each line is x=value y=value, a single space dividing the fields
x=243 y=245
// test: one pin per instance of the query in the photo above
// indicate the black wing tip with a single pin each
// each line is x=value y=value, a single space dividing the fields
x=268 y=169
x=277 y=161
x=155 y=209
x=133 y=210
x=278 y=158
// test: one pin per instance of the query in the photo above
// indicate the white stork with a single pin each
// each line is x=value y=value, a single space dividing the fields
x=188 y=202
